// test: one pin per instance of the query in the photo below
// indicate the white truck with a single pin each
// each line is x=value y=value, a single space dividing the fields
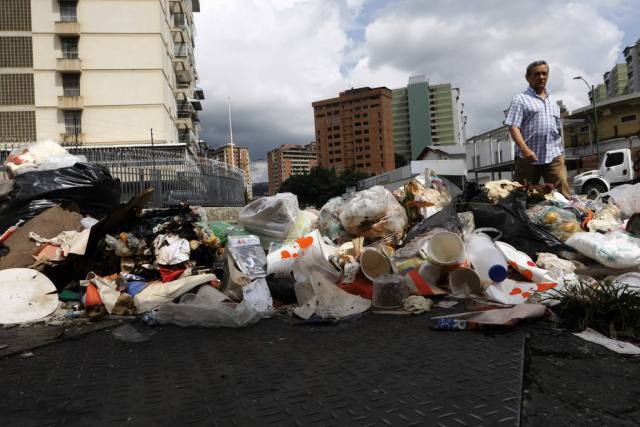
x=616 y=168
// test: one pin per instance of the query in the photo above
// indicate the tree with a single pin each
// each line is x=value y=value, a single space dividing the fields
x=320 y=185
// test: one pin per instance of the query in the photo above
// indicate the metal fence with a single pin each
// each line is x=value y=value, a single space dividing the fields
x=174 y=173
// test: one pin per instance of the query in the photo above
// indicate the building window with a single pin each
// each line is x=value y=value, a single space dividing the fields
x=629 y=118
x=584 y=129
x=16 y=52
x=68 y=10
x=16 y=15
x=71 y=84
x=16 y=89
x=69 y=47
x=72 y=122
x=17 y=126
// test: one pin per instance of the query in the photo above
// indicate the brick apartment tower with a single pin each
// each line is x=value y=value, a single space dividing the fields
x=354 y=131
x=287 y=160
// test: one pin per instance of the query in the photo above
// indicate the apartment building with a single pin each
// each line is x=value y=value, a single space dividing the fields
x=632 y=58
x=288 y=160
x=99 y=72
x=354 y=131
x=426 y=115
x=616 y=81
x=238 y=157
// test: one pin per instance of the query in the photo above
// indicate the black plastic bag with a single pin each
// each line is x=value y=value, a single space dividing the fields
x=509 y=216
x=88 y=186
x=446 y=218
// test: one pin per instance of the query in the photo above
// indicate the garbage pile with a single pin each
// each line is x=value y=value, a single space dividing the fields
x=71 y=251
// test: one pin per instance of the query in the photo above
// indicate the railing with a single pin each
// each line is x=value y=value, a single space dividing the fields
x=71 y=90
x=180 y=50
x=70 y=52
x=175 y=174
x=69 y=11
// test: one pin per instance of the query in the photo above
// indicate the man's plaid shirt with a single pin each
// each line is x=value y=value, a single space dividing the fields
x=539 y=123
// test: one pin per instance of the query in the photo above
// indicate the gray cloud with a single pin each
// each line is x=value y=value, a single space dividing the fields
x=275 y=57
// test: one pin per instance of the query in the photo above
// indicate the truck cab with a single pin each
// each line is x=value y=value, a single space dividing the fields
x=616 y=168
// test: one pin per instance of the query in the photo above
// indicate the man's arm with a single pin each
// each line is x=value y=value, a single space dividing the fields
x=527 y=152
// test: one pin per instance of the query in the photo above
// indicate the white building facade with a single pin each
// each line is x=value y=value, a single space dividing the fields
x=488 y=150
x=99 y=72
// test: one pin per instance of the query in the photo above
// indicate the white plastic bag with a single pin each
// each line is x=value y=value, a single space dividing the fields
x=627 y=197
x=207 y=308
x=329 y=224
x=270 y=218
x=616 y=249
x=41 y=156
x=374 y=213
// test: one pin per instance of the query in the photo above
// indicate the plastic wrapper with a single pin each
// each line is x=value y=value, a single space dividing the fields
x=627 y=197
x=616 y=249
x=40 y=156
x=306 y=223
x=374 y=213
x=559 y=222
x=496 y=190
x=270 y=218
x=223 y=230
x=509 y=216
x=329 y=223
x=446 y=219
x=607 y=218
x=419 y=201
x=209 y=311
x=88 y=186
x=248 y=255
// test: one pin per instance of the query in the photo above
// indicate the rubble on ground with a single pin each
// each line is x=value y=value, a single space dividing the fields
x=69 y=250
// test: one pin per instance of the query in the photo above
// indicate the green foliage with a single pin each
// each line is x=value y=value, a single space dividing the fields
x=611 y=308
x=320 y=185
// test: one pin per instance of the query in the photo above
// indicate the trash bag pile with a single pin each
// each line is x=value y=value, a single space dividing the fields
x=499 y=253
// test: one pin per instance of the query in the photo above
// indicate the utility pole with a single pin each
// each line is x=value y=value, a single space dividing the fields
x=595 y=113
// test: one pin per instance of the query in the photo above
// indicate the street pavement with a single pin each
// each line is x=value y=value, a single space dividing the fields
x=373 y=370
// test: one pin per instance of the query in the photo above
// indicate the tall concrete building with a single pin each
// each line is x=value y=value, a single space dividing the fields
x=238 y=157
x=425 y=115
x=99 y=72
x=600 y=92
x=616 y=81
x=288 y=160
x=632 y=58
x=354 y=131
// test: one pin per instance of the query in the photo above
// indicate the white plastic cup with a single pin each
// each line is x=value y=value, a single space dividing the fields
x=486 y=258
x=445 y=249
x=463 y=282
x=374 y=263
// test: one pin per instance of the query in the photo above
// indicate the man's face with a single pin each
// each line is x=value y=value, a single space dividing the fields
x=538 y=77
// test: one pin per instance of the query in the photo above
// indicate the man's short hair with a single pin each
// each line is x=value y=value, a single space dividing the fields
x=535 y=64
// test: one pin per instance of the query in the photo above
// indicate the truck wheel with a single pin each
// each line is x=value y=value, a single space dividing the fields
x=594 y=189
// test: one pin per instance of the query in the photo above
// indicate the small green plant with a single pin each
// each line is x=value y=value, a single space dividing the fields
x=611 y=308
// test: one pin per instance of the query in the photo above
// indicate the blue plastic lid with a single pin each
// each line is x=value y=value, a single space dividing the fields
x=497 y=273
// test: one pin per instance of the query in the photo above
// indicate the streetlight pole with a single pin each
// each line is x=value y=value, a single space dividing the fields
x=595 y=113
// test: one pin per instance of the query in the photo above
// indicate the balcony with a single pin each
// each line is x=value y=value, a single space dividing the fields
x=67 y=28
x=198 y=93
x=183 y=75
x=180 y=28
x=70 y=102
x=68 y=65
x=186 y=136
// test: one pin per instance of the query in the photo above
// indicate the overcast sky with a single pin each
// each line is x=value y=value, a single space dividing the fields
x=274 y=57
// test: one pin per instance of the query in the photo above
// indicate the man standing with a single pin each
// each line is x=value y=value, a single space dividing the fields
x=534 y=120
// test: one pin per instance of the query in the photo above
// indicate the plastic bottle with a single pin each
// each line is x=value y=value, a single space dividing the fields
x=486 y=259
